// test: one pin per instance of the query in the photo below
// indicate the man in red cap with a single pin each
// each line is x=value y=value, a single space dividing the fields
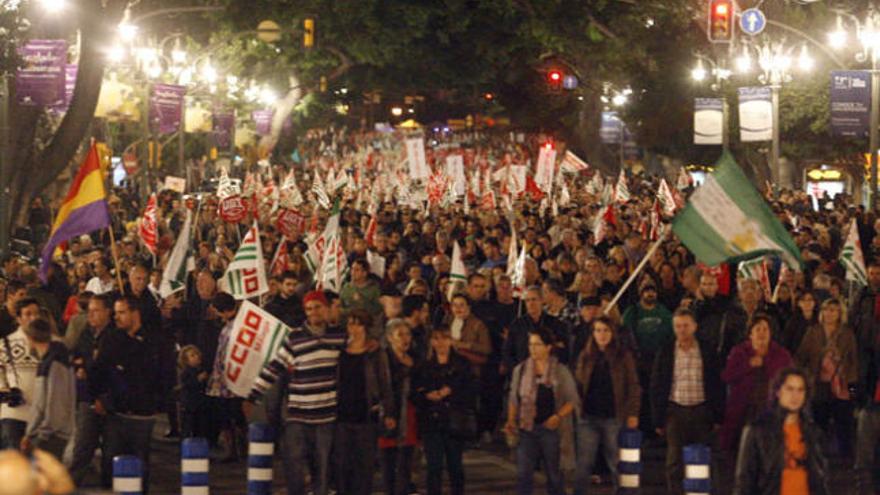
x=310 y=417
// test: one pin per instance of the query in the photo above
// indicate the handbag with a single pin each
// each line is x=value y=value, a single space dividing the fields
x=462 y=424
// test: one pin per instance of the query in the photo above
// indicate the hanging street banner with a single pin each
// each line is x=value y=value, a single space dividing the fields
x=166 y=107
x=223 y=128
x=708 y=121
x=263 y=121
x=41 y=79
x=611 y=128
x=755 y=114
x=545 y=168
x=415 y=156
x=850 y=103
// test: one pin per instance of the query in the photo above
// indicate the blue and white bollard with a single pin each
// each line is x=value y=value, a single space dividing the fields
x=194 y=467
x=261 y=447
x=629 y=467
x=697 y=462
x=128 y=475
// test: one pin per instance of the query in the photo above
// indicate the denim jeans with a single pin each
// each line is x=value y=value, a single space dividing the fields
x=89 y=433
x=593 y=431
x=355 y=457
x=307 y=446
x=11 y=433
x=866 y=441
x=538 y=445
x=439 y=447
x=128 y=436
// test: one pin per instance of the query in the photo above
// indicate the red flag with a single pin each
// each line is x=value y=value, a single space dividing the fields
x=281 y=260
x=533 y=190
x=148 y=230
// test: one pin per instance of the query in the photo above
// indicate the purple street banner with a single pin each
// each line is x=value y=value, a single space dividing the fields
x=850 y=103
x=69 y=85
x=166 y=107
x=263 y=121
x=41 y=79
x=223 y=127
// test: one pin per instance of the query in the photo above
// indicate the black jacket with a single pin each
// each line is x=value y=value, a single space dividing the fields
x=289 y=310
x=661 y=383
x=867 y=329
x=125 y=376
x=431 y=376
x=762 y=456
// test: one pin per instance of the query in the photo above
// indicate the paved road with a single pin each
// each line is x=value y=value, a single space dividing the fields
x=488 y=471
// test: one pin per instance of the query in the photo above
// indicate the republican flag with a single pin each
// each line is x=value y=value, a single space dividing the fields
x=148 y=226
x=246 y=275
x=83 y=211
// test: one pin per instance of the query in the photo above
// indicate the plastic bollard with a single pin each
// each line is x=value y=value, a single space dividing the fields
x=697 y=472
x=629 y=467
x=261 y=447
x=194 y=467
x=128 y=475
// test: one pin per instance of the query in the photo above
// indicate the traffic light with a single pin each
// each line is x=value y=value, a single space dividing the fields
x=721 y=21
x=554 y=80
x=308 y=33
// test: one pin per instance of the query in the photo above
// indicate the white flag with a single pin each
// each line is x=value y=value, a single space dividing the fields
x=255 y=339
x=174 y=276
x=667 y=200
x=621 y=192
x=571 y=163
x=545 y=168
x=246 y=275
x=415 y=156
x=852 y=258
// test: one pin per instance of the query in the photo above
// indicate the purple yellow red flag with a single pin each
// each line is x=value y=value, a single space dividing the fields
x=83 y=211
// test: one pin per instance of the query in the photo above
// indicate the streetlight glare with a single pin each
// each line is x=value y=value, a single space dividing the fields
x=53 y=6
x=744 y=63
x=127 y=32
x=268 y=97
x=209 y=73
x=396 y=111
x=698 y=74
x=115 y=54
x=805 y=61
x=619 y=100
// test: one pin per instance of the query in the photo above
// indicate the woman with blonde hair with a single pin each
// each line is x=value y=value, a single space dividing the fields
x=828 y=351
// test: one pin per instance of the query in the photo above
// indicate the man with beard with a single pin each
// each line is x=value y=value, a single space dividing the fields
x=286 y=306
x=709 y=308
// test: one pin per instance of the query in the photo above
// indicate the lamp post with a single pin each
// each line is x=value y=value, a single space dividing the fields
x=868 y=35
x=776 y=61
x=721 y=75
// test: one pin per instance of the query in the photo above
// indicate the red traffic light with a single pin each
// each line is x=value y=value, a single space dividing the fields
x=554 y=76
x=721 y=21
x=489 y=96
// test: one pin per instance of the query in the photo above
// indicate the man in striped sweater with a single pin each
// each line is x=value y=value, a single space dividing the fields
x=308 y=360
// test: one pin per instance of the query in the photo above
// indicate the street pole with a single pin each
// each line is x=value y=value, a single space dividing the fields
x=725 y=124
x=147 y=160
x=5 y=164
x=774 y=154
x=875 y=121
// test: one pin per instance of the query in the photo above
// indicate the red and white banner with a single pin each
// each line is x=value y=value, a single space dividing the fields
x=256 y=337
x=148 y=230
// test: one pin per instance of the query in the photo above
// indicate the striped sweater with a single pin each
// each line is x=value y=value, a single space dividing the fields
x=310 y=362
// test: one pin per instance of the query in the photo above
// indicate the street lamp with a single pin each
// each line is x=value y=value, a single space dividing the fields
x=776 y=62
x=721 y=75
x=868 y=35
x=53 y=6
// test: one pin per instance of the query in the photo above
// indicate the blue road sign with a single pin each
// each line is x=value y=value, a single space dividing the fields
x=752 y=22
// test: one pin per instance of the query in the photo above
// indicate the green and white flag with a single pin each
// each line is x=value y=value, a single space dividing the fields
x=852 y=258
x=458 y=272
x=179 y=263
x=756 y=269
x=246 y=275
x=325 y=256
x=727 y=220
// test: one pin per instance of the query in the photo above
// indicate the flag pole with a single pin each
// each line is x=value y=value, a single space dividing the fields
x=638 y=270
x=115 y=258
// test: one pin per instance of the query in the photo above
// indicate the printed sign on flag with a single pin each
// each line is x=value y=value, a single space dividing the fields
x=177 y=184
x=455 y=170
x=255 y=339
x=546 y=167
x=415 y=155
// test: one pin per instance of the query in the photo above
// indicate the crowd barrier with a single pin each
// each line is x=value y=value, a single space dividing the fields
x=697 y=462
x=629 y=467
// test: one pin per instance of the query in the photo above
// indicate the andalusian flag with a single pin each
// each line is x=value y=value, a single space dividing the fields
x=83 y=211
x=246 y=276
x=174 y=276
x=727 y=220
x=457 y=273
x=852 y=258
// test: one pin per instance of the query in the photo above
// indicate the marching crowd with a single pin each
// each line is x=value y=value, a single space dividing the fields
x=777 y=372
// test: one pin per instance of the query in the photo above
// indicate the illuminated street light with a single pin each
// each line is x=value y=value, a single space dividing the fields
x=209 y=73
x=53 y=6
x=396 y=111
x=115 y=54
x=268 y=97
x=619 y=100
x=699 y=72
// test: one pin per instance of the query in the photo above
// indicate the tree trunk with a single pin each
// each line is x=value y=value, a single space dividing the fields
x=37 y=167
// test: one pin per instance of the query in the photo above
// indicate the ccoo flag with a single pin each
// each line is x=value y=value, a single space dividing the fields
x=84 y=209
x=852 y=258
x=726 y=219
x=246 y=275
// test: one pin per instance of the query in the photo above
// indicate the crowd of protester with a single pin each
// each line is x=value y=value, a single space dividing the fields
x=398 y=370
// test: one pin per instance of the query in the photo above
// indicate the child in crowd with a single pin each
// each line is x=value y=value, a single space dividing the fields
x=192 y=392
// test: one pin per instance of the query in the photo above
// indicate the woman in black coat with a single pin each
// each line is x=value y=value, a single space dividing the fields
x=444 y=396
